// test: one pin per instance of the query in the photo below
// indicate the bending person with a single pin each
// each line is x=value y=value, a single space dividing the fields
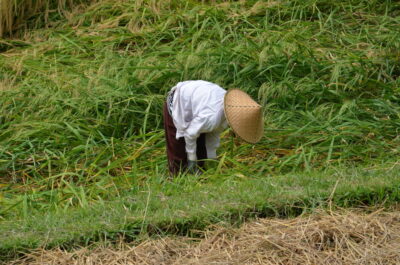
x=195 y=114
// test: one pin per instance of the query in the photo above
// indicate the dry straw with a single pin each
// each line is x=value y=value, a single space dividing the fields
x=352 y=237
x=15 y=13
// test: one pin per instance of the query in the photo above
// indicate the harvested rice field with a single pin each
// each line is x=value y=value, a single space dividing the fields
x=84 y=176
x=339 y=237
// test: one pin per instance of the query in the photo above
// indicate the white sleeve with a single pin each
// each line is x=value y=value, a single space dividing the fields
x=191 y=146
x=191 y=135
x=201 y=124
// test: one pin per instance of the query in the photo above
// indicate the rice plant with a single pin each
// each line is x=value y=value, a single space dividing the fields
x=15 y=14
x=80 y=102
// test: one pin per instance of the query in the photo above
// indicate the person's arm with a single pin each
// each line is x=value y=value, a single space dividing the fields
x=194 y=130
x=191 y=147
x=206 y=123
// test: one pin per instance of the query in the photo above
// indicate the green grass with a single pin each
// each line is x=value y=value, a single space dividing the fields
x=189 y=204
x=81 y=99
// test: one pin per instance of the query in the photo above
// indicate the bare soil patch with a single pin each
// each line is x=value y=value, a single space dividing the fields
x=344 y=237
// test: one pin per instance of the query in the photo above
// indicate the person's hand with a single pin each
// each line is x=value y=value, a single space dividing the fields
x=193 y=168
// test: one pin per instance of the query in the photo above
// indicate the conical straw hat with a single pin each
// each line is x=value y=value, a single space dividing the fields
x=244 y=115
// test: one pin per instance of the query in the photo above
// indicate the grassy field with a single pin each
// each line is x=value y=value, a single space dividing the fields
x=324 y=237
x=80 y=114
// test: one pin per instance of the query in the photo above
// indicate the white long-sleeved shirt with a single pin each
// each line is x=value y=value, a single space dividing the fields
x=198 y=107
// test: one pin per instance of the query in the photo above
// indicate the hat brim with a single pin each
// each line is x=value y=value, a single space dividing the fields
x=244 y=115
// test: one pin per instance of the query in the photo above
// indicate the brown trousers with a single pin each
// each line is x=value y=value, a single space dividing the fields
x=176 y=151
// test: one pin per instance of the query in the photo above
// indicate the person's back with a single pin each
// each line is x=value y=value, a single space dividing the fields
x=195 y=96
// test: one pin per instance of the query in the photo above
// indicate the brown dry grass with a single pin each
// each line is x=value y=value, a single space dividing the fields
x=346 y=238
x=6 y=84
x=14 y=13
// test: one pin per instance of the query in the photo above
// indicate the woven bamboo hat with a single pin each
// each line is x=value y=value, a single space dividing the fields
x=244 y=115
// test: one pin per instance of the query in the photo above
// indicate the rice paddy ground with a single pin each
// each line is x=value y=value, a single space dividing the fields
x=324 y=237
x=82 y=156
